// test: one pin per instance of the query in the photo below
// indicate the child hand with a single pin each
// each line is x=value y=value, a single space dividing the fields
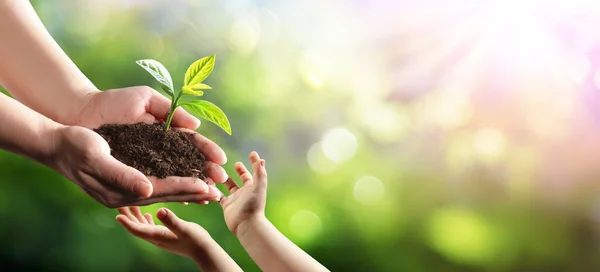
x=176 y=236
x=248 y=202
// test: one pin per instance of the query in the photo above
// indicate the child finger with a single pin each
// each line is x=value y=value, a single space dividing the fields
x=137 y=212
x=260 y=174
x=130 y=226
x=231 y=186
x=171 y=221
x=254 y=158
x=125 y=211
x=149 y=218
x=240 y=169
x=244 y=174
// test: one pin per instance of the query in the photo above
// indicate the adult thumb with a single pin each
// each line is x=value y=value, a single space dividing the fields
x=122 y=176
x=171 y=221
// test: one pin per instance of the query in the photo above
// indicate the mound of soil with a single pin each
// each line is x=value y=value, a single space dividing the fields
x=147 y=148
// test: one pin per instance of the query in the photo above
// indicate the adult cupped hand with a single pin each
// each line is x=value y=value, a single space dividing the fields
x=84 y=157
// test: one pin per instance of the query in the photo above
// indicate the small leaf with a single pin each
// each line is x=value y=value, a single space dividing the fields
x=165 y=91
x=199 y=71
x=159 y=72
x=201 y=86
x=189 y=90
x=210 y=112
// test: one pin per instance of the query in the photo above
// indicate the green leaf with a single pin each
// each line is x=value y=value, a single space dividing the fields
x=159 y=72
x=210 y=112
x=201 y=86
x=190 y=91
x=165 y=91
x=199 y=71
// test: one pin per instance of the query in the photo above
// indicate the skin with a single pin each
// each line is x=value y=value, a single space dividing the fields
x=38 y=73
x=244 y=214
x=177 y=236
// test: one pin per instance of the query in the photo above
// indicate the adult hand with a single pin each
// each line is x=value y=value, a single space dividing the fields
x=84 y=157
x=143 y=104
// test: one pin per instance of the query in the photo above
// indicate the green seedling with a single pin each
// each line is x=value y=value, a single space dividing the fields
x=192 y=88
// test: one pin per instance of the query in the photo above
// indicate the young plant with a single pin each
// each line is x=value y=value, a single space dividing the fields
x=192 y=87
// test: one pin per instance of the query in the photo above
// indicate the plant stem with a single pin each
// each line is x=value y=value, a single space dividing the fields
x=172 y=112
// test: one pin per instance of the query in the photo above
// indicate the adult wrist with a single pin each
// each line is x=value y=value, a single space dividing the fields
x=75 y=113
x=48 y=140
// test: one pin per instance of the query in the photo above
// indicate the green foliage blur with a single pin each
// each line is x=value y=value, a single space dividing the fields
x=359 y=181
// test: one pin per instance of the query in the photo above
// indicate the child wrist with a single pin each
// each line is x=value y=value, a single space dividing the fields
x=249 y=225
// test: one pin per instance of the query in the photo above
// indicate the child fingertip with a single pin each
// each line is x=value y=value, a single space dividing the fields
x=262 y=163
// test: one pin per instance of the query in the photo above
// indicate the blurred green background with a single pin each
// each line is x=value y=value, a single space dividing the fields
x=398 y=136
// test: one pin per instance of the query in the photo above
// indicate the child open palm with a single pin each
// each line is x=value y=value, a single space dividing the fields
x=244 y=213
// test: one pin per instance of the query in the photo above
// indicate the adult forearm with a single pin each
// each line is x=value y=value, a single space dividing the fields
x=271 y=250
x=33 y=67
x=25 y=132
x=212 y=258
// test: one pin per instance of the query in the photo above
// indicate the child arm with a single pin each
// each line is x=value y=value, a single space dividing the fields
x=245 y=217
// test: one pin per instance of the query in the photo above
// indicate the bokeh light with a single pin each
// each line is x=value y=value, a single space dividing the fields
x=368 y=190
x=464 y=236
x=489 y=142
x=339 y=144
x=318 y=160
x=305 y=225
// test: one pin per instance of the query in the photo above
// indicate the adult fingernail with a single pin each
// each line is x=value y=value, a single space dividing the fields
x=143 y=188
x=204 y=188
x=162 y=214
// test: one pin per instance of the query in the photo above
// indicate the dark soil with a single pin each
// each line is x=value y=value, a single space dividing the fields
x=146 y=147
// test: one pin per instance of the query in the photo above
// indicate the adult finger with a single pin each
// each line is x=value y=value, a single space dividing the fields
x=171 y=221
x=213 y=195
x=148 y=118
x=214 y=189
x=160 y=106
x=211 y=150
x=215 y=172
x=245 y=176
x=182 y=119
x=138 y=214
x=177 y=185
x=118 y=175
x=231 y=186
